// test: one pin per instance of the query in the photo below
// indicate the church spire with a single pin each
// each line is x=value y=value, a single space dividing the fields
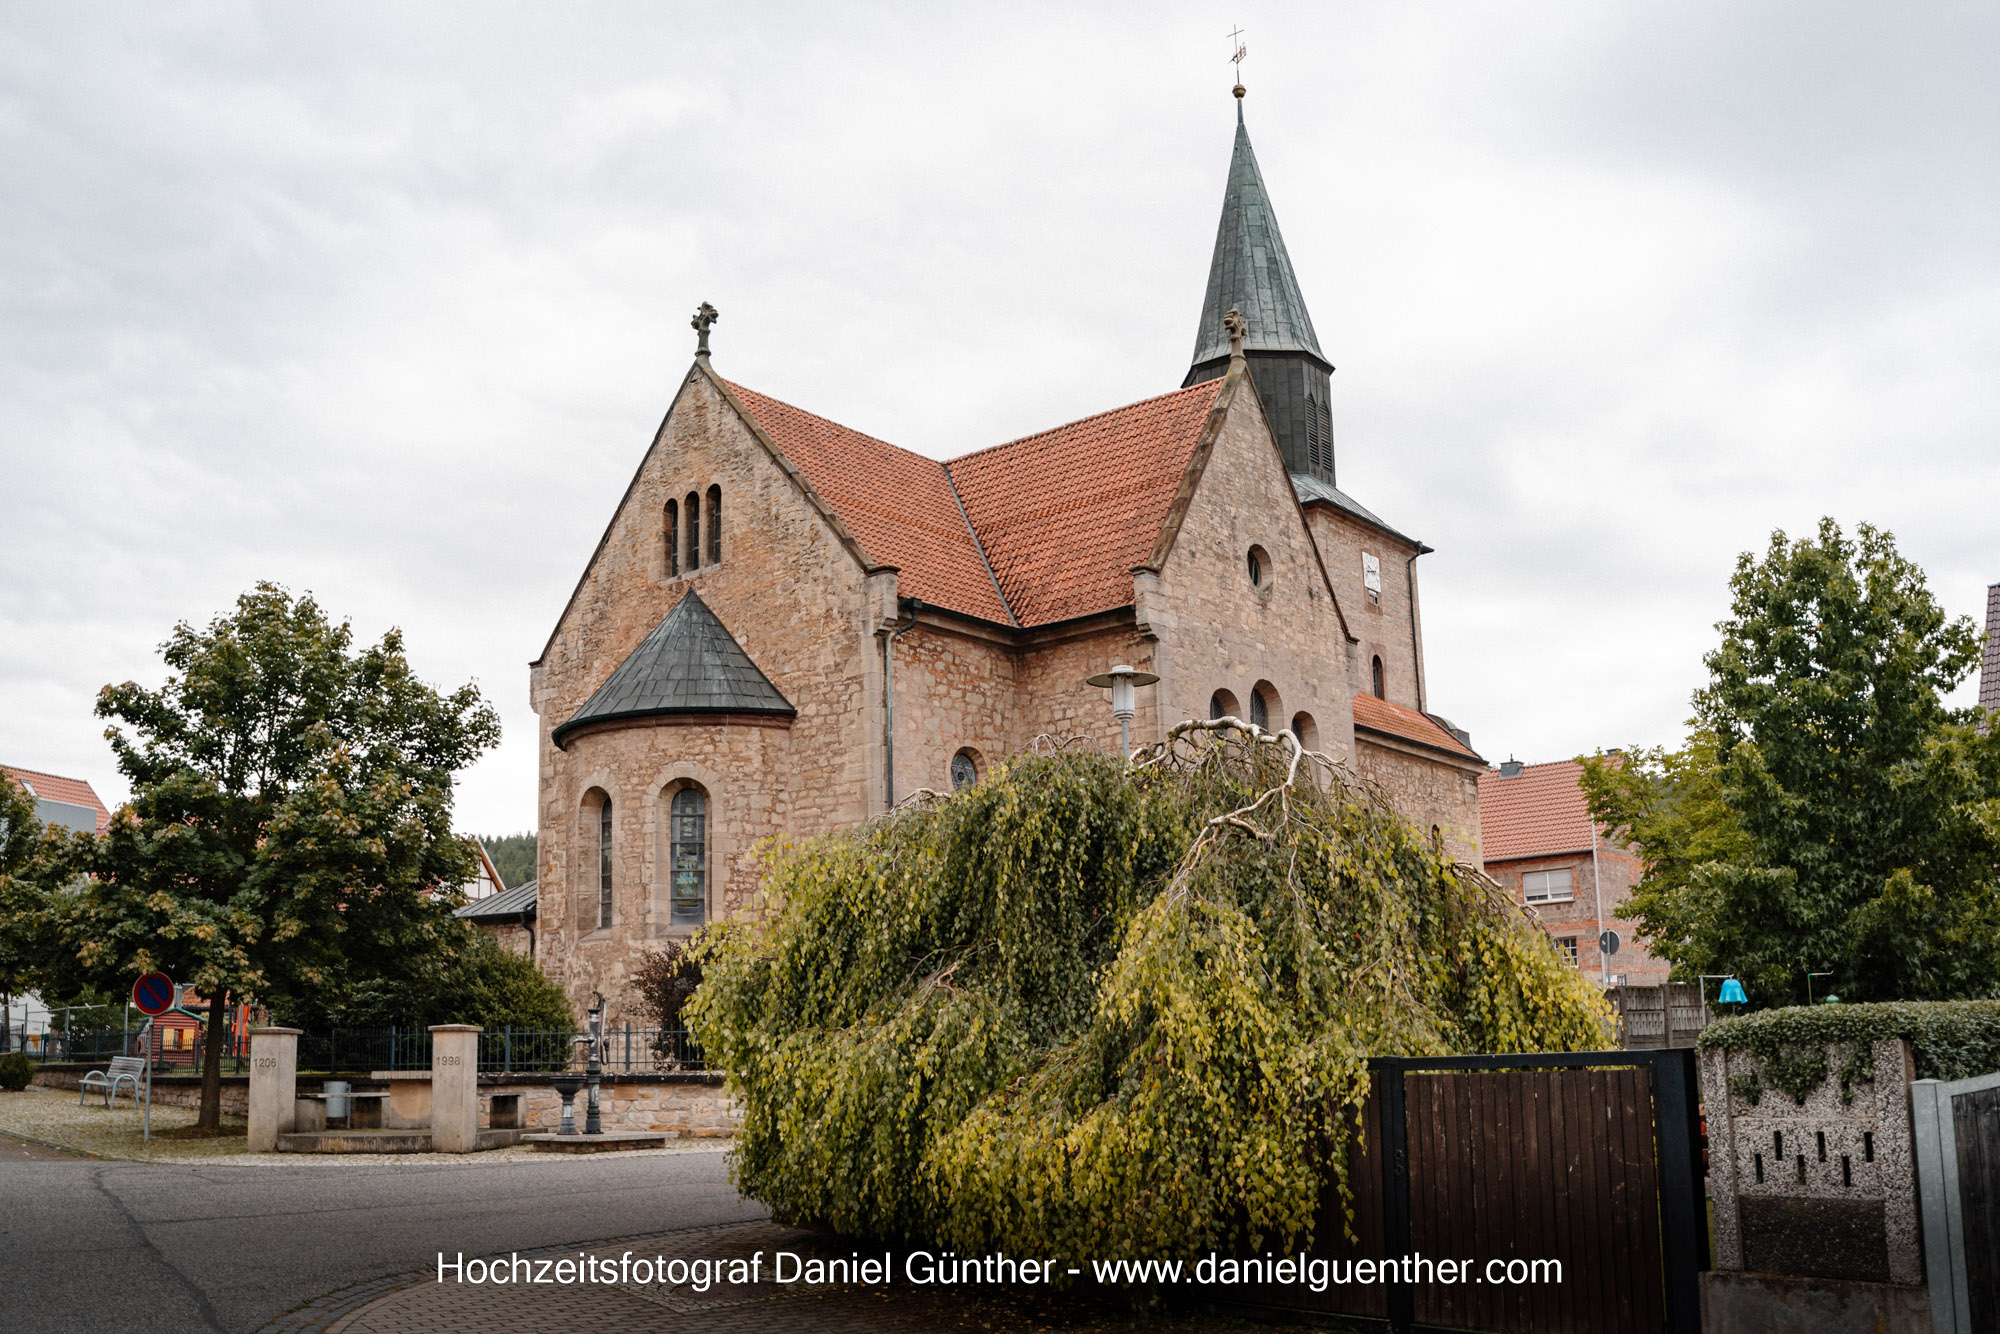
x=1252 y=273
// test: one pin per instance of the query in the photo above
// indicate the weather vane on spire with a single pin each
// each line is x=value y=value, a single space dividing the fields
x=1236 y=40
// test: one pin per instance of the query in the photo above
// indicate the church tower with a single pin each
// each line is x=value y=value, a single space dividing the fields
x=1252 y=273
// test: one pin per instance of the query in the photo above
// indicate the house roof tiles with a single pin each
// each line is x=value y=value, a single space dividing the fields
x=1038 y=530
x=1399 y=720
x=1065 y=514
x=1538 y=813
x=54 y=787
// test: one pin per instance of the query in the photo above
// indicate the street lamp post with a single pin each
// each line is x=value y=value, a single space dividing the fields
x=1123 y=681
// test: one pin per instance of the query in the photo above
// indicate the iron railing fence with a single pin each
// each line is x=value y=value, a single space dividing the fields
x=627 y=1050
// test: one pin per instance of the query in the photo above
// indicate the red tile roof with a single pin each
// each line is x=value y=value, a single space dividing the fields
x=1538 y=814
x=1399 y=720
x=897 y=504
x=53 y=787
x=1065 y=514
x=1062 y=515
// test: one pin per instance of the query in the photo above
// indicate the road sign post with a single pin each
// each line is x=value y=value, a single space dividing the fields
x=153 y=995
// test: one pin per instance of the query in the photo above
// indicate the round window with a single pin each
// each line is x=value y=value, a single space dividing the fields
x=1258 y=565
x=964 y=771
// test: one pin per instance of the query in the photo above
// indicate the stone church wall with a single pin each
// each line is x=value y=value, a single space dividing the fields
x=1429 y=792
x=1216 y=630
x=800 y=606
x=1385 y=627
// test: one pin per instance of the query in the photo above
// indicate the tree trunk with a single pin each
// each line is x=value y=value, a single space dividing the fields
x=6 y=1021
x=211 y=1064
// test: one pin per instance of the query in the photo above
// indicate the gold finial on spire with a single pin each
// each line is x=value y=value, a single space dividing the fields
x=1236 y=59
x=703 y=318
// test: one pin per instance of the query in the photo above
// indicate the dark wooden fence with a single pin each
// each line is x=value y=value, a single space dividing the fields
x=1957 y=1129
x=1592 y=1160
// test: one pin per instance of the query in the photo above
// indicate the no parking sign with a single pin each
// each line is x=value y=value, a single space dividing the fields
x=153 y=994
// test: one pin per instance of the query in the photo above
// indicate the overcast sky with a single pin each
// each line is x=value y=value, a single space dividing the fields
x=385 y=301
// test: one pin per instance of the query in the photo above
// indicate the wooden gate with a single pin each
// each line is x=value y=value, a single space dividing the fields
x=1958 y=1179
x=1590 y=1160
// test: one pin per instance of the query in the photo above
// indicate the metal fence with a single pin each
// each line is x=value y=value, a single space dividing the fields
x=627 y=1050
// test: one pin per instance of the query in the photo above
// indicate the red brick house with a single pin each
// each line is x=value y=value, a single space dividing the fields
x=1541 y=844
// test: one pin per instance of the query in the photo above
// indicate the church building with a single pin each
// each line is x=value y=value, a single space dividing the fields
x=790 y=626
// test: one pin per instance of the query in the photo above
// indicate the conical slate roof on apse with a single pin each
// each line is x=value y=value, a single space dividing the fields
x=1251 y=271
x=690 y=664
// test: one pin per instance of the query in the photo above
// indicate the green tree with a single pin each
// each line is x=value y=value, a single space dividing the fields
x=513 y=857
x=1830 y=812
x=1671 y=805
x=1089 y=1008
x=31 y=853
x=470 y=979
x=289 y=833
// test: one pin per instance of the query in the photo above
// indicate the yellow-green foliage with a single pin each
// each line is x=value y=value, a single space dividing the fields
x=1085 y=1010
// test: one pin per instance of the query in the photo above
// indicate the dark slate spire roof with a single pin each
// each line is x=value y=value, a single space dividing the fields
x=1251 y=271
x=689 y=664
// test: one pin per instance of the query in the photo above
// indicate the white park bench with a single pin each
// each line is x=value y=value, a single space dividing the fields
x=124 y=1070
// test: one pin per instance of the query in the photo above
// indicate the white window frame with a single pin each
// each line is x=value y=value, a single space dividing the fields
x=1572 y=948
x=1529 y=886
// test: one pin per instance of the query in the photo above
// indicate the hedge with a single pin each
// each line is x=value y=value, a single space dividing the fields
x=1949 y=1040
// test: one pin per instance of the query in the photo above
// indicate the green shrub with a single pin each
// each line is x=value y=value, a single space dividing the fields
x=16 y=1071
x=471 y=979
x=1080 y=1009
x=1948 y=1039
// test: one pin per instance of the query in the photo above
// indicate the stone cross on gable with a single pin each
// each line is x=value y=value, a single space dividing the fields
x=703 y=318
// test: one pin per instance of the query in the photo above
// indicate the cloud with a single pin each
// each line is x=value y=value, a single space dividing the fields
x=385 y=303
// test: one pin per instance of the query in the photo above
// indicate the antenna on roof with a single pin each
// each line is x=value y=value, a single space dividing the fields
x=1236 y=59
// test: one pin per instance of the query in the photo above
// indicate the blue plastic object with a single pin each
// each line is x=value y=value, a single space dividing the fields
x=1732 y=992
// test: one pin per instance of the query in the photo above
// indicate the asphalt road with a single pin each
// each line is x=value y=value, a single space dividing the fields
x=107 y=1246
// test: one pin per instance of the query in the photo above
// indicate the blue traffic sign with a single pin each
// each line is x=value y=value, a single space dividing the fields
x=153 y=994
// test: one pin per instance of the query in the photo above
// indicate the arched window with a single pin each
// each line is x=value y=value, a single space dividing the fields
x=1222 y=704
x=1306 y=730
x=604 y=864
x=1381 y=688
x=964 y=769
x=1260 y=709
x=673 y=538
x=714 y=525
x=693 y=507
x=687 y=856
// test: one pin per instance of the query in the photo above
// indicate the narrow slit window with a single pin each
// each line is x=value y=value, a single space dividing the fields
x=1867 y=1146
x=1760 y=1167
x=1822 y=1146
x=672 y=538
x=714 y=525
x=1380 y=683
x=1846 y=1170
x=604 y=865
x=693 y=507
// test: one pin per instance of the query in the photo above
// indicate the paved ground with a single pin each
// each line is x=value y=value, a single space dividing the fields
x=104 y=1245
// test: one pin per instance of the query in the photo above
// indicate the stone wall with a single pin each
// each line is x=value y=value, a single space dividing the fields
x=688 y=1109
x=1823 y=1190
x=1429 y=791
x=1218 y=631
x=1387 y=627
x=799 y=604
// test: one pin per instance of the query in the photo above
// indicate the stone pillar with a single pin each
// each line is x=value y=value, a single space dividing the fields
x=274 y=1080
x=455 y=1087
